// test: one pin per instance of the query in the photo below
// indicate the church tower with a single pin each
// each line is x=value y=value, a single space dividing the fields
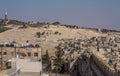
x=6 y=20
x=6 y=16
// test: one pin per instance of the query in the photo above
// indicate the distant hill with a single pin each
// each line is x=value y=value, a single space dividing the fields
x=15 y=22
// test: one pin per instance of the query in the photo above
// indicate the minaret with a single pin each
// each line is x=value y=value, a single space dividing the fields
x=6 y=16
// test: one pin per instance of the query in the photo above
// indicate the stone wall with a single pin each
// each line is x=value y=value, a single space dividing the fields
x=103 y=67
x=91 y=66
x=81 y=67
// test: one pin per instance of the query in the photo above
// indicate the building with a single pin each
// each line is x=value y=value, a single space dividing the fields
x=21 y=58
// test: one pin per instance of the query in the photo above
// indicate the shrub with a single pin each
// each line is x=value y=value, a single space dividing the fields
x=56 y=32
x=2 y=29
x=38 y=34
x=56 y=23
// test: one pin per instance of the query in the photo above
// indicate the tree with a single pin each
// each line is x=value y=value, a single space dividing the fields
x=46 y=57
x=58 y=60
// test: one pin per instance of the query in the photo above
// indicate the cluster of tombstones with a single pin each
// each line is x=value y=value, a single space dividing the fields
x=14 y=44
x=109 y=44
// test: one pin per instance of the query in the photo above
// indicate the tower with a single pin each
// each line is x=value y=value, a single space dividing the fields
x=6 y=16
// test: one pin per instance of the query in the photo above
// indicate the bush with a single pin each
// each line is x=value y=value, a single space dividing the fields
x=2 y=29
x=23 y=26
x=56 y=32
x=38 y=34
x=56 y=23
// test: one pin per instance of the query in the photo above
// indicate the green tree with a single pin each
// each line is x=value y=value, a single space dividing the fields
x=46 y=57
x=58 y=61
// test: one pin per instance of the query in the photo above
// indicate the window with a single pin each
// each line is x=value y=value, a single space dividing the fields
x=35 y=54
x=29 y=53
x=5 y=53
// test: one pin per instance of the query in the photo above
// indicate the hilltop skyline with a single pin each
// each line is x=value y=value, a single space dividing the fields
x=94 y=14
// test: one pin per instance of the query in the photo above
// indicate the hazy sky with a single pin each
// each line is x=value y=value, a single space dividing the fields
x=87 y=13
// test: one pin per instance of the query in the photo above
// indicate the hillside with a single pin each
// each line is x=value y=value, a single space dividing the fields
x=50 y=36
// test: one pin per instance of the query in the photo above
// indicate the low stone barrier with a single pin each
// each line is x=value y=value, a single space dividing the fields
x=106 y=70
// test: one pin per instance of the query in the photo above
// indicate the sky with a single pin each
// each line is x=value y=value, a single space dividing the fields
x=84 y=13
